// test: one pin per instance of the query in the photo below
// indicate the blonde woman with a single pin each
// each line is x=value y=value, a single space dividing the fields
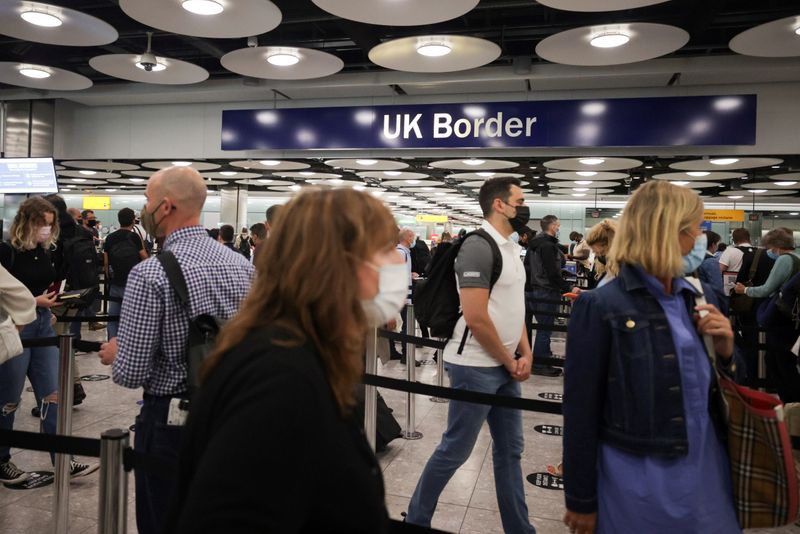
x=642 y=429
x=599 y=239
x=27 y=258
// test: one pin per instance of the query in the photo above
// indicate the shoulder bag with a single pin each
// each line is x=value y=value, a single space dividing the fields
x=739 y=302
x=763 y=472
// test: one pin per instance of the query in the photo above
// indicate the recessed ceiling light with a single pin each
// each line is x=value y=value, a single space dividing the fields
x=795 y=213
x=150 y=66
x=698 y=174
x=264 y=181
x=110 y=190
x=137 y=180
x=367 y=162
x=41 y=19
x=79 y=179
x=591 y=161
x=307 y=173
x=797 y=30
x=586 y=173
x=391 y=173
x=648 y=166
x=737 y=197
x=412 y=182
x=785 y=184
x=335 y=181
x=32 y=72
x=269 y=162
x=580 y=189
x=724 y=161
x=202 y=7
x=283 y=59
x=88 y=173
x=583 y=182
x=181 y=163
x=757 y=191
x=295 y=187
x=433 y=49
x=228 y=173
x=609 y=40
x=485 y=174
x=578 y=194
x=473 y=162
x=776 y=166
x=680 y=182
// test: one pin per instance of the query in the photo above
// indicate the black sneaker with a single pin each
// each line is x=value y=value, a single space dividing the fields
x=77 y=469
x=11 y=474
x=36 y=412
x=78 y=394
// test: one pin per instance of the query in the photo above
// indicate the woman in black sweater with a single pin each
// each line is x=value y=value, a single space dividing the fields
x=271 y=444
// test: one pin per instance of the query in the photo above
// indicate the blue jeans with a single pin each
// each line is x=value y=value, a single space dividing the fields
x=154 y=437
x=114 y=308
x=464 y=422
x=40 y=365
x=544 y=316
x=89 y=311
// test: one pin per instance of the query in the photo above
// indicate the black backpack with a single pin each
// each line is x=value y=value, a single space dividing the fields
x=122 y=257
x=788 y=297
x=80 y=258
x=437 y=305
x=203 y=329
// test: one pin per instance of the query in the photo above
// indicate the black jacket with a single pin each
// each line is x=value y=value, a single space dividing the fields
x=546 y=261
x=420 y=257
x=266 y=450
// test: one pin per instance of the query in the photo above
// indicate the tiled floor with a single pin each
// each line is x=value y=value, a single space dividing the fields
x=468 y=504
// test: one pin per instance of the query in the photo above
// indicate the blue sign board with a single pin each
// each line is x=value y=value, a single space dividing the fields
x=706 y=225
x=621 y=122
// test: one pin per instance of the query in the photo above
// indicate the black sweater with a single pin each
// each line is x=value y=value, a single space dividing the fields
x=265 y=450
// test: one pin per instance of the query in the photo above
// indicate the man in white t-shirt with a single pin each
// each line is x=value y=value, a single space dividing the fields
x=731 y=259
x=488 y=353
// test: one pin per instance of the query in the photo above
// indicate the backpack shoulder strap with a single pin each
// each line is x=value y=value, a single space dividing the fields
x=497 y=257
x=754 y=265
x=175 y=276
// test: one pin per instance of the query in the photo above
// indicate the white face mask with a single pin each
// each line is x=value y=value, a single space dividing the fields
x=43 y=234
x=392 y=294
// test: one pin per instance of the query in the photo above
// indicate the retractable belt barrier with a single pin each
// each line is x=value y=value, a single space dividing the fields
x=40 y=342
x=93 y=319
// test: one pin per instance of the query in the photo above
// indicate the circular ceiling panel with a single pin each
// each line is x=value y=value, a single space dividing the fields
x=230 y=175
x=788 y=176
x=124 y=66
x=724 y=163
x=42 y=77
x=473 y=164
x=264 y=182
x=64 y=26
x=196 y=165
x=242 y=18
x=92 y=175
x=101 y=165
x=468 y=176
x=778 y=38
x=749 y=194
x=586 y=6
x=309 y=175
x=587 y=175
x=139 y=174
x=129 y=181
x=624 y=43
x=592 y=163
x=367 y=164
x=393 y=175
x=281 y=63
x=698 y=176
x=788 y=185
x=579 y=190
x=433 y=192
x=411 y=182
x=270 y=165
x=81 y=181
x=209 y=181
x=434 y=53
x=588 y=182
x=394 y=13
x=696 y=185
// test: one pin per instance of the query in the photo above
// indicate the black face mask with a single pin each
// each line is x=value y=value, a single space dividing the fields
x=601 y=259
x=92 y=223
x=520 y=221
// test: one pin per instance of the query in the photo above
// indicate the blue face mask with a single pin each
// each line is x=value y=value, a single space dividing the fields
x=514 y=237
x=696 y=256
x=773 y=255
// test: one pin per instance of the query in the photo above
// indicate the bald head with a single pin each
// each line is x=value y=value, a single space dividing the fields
x=182 y=185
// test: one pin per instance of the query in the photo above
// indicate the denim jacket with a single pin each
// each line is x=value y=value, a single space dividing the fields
x=623 y=384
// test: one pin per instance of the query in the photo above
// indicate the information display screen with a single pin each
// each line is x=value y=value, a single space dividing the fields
x=27 y=175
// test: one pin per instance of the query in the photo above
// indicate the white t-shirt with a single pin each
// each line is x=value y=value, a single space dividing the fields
x=732 y=257
x=506 y=300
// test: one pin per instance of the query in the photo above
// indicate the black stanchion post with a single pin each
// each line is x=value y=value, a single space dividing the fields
x=370 y=393
x=63 y=428
x=411 y=367
x=113 y=509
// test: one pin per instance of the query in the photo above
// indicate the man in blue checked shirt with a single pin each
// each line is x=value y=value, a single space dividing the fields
x=149 y=351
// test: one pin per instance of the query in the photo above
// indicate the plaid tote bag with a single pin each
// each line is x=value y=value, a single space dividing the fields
x=763 y=472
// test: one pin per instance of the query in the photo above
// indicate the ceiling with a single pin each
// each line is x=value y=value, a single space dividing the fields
x=517 y=26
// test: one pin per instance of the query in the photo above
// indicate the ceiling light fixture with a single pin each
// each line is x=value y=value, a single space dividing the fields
x=264 y=181
x=797 y=30
x=757 y=191
x=392 y=173
x=228 y=173
x=698 y=174
x=38 y=18
x=283 y=59
x=794 y=213
x=785 y=184
x=580 y=189
x=591 y=161
x=433 y=49
x=88 y=173
x=202 y=7
x=367 y=162
x=679 y=182
x=137 y=180
x=306 y=173
x=578 y=194
x=413 y=182
x=583 y=182
x=269 y=162
x=79 y=180
x=648 y=166
x=33 y=72
x=723 y=161
x=295 y=187
x=485 y=174
x=181 y=163
x=736 y=197
x=609 y=40
x=586 y=173
x=336 y=181
x=473 y=162
x=110 y=190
